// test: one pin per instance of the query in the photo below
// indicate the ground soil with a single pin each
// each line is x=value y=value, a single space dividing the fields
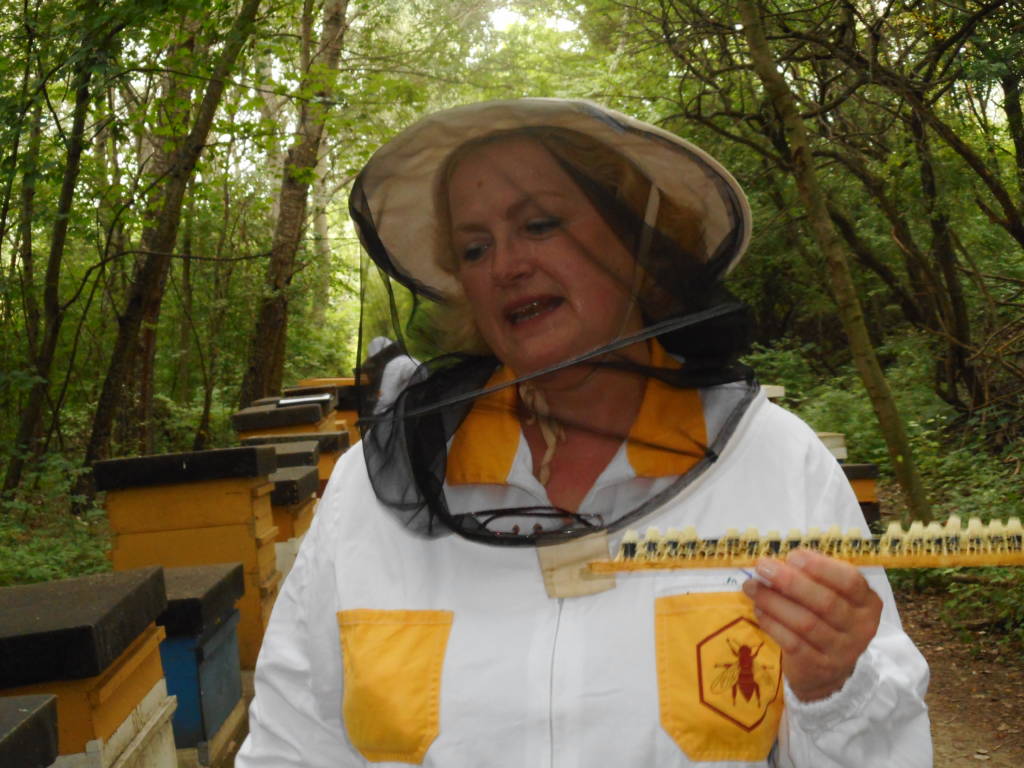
x=976 y=695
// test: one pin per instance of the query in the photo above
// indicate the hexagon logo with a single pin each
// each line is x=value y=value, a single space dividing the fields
x=740 y=672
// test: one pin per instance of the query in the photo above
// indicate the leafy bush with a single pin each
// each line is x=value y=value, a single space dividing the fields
x=39 y=539
x=174 y=424
x=990 y=598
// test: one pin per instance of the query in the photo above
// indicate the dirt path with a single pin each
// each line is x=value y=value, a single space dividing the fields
x=976 y=697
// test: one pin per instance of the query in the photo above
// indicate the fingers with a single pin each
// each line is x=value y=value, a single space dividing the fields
x=829 y=590
x=837 y=575
x=821 y=612
x=799 y=622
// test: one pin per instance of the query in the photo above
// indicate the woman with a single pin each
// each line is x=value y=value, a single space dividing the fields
x=440 y=612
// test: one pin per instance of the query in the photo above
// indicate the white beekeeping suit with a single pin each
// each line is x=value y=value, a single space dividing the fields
x=397 y=373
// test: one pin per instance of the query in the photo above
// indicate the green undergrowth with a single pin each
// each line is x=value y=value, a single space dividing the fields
x=39 y=539
x=982 y=605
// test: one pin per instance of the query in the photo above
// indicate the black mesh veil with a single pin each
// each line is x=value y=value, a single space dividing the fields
x=554 y=269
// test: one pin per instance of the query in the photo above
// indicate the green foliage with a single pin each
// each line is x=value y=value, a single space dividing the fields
x=789 y=364
x=985 y=598
x=991 y=597
x=39 y=540
x=174 y=423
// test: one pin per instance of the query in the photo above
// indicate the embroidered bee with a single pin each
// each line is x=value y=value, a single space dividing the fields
x=745 y=675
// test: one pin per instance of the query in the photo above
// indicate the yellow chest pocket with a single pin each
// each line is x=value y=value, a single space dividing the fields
x=392 y=666
x=719 y=677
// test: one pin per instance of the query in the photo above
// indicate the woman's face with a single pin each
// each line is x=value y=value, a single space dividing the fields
x=546 y=277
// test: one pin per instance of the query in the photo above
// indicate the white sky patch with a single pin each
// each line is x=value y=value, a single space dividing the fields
x=562 y=25
x=503 y=18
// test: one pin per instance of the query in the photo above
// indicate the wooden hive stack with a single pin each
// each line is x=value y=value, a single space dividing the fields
x=347 y=393
x=197 y=509
x=293 y=500
x=271 y=417
x=200 y=659
x=864 y=481
x=93 y=643
x=330 y=446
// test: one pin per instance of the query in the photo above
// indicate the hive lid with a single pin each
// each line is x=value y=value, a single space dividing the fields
x=302 y=453
x=326 y=400
x=171 y=468
x=860 y=471
x=329 y=442
x=346 y=396
x=75 y=628
x=270 y=416
x=293 y=485
x=28 y=731
x=201 y=597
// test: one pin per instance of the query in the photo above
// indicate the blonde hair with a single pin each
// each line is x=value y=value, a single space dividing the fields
x=616 y=188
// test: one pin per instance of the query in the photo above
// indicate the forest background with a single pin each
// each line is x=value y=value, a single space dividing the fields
x=174 y=238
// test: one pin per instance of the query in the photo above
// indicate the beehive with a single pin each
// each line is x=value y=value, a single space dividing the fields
x=330 y=447
x=200 y=658
x=197 y=509
x=92 y=642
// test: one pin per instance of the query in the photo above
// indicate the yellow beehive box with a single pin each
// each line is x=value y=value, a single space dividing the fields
x=186 y=490
x=198 y=546
x=328 y=381
x=866 y=489
x=348 y=421
x=254 y=609
x=294 y=520
x=324 y=467
x=95 y=707
x=202 y=504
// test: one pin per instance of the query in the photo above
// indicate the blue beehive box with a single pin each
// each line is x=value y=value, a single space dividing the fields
x=200 y=653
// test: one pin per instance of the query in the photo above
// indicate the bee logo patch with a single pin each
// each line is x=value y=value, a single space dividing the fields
x=719 y=677
x=740 y=673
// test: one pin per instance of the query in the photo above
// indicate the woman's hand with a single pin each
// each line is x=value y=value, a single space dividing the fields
x=821 y=612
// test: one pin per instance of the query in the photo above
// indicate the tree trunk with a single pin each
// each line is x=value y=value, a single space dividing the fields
x=53 y=312
x=866 y=256
x=1015 y=123
x=10 y=162
x=209 y=354
x=843 y=287
x=181 y=382
x=321 y=243
x=30 y=171
x=957 y=324
x=175 y=106
x=924 y=288
x=265 y=370
x=158 y=242
x=1012 y=219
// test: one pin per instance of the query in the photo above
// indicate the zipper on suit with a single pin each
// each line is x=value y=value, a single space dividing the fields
x=551 y=684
